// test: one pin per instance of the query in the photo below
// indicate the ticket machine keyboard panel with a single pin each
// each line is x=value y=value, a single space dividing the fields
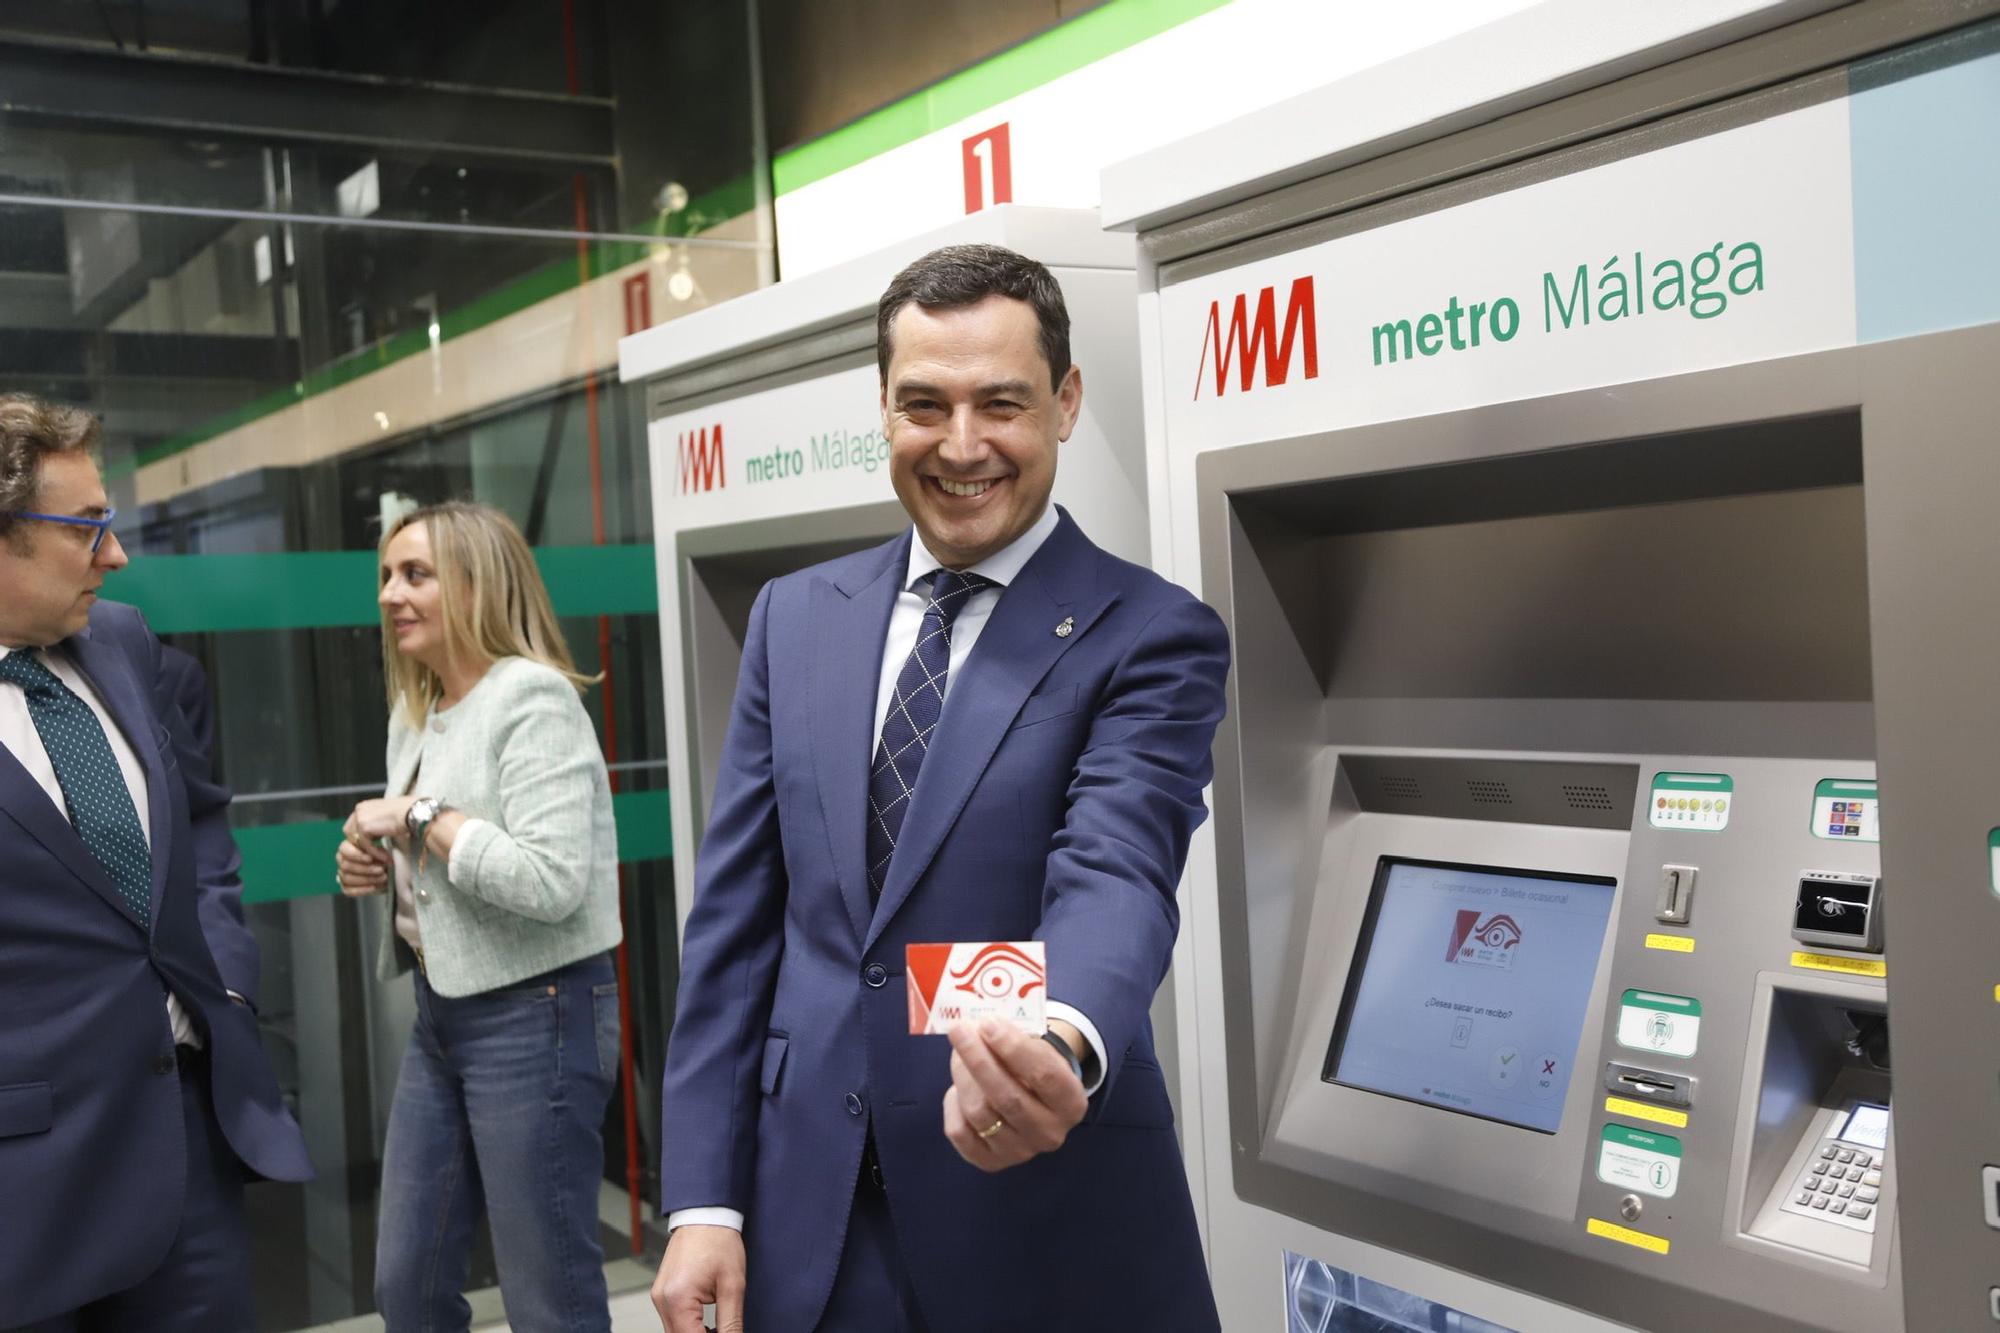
x=1841 y=1184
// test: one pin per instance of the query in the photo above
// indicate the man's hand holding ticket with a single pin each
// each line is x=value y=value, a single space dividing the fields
x=1012 y=1097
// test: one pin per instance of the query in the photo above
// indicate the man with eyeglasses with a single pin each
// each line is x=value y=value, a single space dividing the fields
x=135 y=1097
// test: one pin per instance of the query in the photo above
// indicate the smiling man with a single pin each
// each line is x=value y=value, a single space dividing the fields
x=987 y=729
x=974 y=409
x=134 y=1091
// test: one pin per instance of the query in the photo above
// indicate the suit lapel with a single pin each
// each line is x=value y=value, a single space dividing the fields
x=28 y=804
x=1015 y=651
x=850 y=620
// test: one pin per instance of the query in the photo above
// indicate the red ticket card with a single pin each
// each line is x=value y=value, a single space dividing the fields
x=953 y=983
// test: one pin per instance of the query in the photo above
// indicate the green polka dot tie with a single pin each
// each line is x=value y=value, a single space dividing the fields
x=93 y=786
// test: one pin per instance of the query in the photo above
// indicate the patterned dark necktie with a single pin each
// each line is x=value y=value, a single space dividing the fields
x=914 y=709
x=93 y=786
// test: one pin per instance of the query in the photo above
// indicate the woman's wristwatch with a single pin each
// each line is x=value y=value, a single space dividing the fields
x=419 y=817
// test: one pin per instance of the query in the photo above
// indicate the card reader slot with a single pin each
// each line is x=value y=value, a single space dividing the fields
x=1648 y=1085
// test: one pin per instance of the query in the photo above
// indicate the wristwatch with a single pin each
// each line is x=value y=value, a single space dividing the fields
x=418 y=817
x=1068 y=1055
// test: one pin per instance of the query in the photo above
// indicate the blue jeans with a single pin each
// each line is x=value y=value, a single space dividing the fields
x=500 y=1104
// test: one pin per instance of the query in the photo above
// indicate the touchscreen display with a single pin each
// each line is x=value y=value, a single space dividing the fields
x=1868 y=1126
x=1469 y=988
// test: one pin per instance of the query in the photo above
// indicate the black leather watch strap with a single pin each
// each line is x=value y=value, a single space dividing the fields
x=1090 y=1073
x=1068 y=1055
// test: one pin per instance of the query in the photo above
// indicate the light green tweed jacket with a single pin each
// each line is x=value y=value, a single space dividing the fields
x=534 y=884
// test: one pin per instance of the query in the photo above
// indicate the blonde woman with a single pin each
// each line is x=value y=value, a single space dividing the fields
x=495 y=839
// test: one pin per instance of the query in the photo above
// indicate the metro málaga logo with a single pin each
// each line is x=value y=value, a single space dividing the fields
x=1252 y=335
x=700 y=459
x=1487 y=943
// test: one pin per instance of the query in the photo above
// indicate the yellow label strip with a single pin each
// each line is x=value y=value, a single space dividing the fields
x=1627 y=1236
x=1671 y=943
x=1659 y=1115
x=1859 y=967
x=1996 y=995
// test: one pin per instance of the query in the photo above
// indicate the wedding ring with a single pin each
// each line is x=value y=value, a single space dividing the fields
x=992 y=1129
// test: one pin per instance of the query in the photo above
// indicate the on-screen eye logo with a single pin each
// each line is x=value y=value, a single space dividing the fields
x=1484 y=943
x=1253 y=336
x=998 y=972
x=699 y=455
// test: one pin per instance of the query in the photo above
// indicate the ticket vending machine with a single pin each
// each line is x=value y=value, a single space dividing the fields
x=1578 y=973
x=1554 y=957
x=768 y=456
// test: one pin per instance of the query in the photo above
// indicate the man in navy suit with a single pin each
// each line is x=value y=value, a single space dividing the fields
x=988 y=729
x=135 y=1099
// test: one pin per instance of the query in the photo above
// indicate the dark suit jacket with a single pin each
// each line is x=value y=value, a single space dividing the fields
x=182 y=687
x=1055 y=802
x=92 y=1141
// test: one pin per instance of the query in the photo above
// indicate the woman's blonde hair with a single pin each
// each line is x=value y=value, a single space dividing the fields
x=491 y=601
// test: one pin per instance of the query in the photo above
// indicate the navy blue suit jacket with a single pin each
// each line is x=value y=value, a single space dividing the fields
x=1055 y=803
x=92 y=1141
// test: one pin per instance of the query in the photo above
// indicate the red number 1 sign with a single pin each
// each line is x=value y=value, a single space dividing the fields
x=989 y=169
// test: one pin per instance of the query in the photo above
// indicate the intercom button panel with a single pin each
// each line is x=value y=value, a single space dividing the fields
x=1841 y=1182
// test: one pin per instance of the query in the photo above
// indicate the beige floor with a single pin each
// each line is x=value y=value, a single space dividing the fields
x=634 y=1314
x=631 y=1307
x=627 y=1280
x=631 y=1312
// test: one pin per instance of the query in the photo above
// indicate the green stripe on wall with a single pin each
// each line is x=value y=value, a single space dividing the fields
x=283 y=861
x=1090 y=37
x=1083 y=40
x=336 y=589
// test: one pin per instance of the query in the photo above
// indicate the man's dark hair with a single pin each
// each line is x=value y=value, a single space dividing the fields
x=31 y=430
x=962 y=275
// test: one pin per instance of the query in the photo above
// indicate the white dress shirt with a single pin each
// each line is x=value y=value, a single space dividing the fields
x=1002 y=567
x=18 y=734
x=905 y=621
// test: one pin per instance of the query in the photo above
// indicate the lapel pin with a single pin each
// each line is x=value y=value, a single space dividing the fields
x=1066 y=628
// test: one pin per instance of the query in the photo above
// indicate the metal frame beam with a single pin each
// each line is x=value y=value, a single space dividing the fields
x=88 y=354
x=92 y=85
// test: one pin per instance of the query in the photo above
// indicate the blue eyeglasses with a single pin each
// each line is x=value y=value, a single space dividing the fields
x=103 y=525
